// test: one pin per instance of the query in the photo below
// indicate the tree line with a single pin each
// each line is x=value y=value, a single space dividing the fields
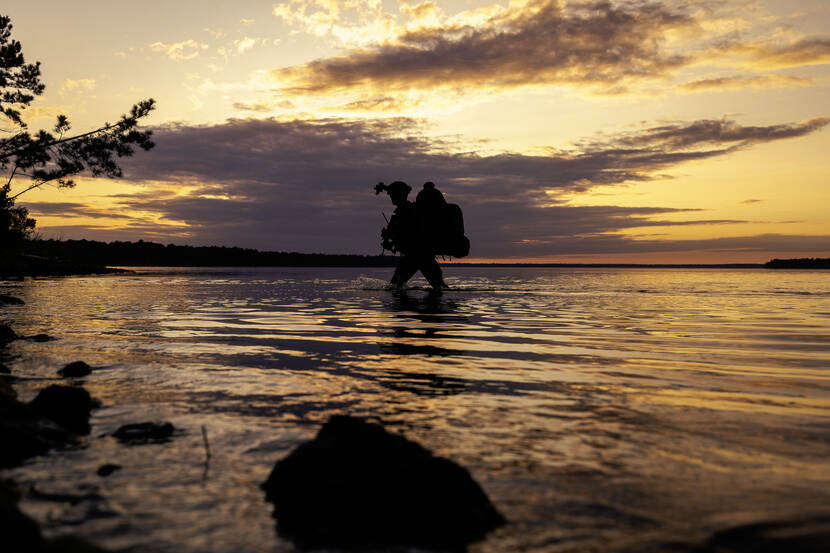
x=143 y=253
x=799 y=263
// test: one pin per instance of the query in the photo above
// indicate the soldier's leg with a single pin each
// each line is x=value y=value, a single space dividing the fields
x=432 y=272
x=407 y=267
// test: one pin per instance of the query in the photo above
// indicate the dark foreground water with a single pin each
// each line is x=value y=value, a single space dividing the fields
x=597 y=408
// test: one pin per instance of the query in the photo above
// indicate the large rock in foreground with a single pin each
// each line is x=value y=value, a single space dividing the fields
x=357 y=485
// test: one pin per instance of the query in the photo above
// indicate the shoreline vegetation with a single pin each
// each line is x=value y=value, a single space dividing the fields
x=77 y=257
x=799 y=263
x=45 y=258
x=88 y=257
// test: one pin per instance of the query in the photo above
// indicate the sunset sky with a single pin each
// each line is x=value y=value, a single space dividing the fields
x=689 y=131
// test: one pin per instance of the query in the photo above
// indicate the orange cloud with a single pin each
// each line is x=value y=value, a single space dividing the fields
x=721 y=133
x=738 y=81
x=179 y=51
x=77 y=85
x=804 y=51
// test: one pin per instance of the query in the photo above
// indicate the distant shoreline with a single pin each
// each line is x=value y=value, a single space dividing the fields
x=494 y=265
x=617 y=265
x=76 y=257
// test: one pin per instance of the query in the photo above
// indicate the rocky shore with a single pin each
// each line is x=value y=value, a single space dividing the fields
x=17 y=266
x=352 y=464
x=55 y=419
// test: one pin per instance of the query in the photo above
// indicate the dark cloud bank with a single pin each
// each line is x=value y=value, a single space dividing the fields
x=307 y=186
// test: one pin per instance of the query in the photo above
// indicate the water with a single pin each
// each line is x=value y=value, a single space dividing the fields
x=598 y=408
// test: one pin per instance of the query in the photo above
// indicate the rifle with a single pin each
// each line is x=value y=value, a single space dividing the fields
x=385 y=240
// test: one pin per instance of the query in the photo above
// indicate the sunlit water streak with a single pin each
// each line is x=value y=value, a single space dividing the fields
x=596 y=407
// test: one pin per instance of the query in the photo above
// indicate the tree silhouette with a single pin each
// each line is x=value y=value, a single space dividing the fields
x=51 y=156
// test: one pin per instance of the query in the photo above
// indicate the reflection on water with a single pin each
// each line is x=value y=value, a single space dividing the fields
x=596 y=407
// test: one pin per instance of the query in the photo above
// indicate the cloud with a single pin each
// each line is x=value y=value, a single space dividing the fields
x=71 y=209
x=382 y=104
x=812 y=50
x=77 y=85
x=751 y=201
x=216 y=33
x=242 y=45
x=179 y=51
x=739 y=81
x=722 y=132
x=355 y=22
x=263 y=107
x=248 y=106
x=307 y=185
x=528 y=43
x=45 y=113
x=610 y=48
x=133 y=232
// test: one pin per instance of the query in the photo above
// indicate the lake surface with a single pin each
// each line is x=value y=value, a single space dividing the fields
x=598 y=408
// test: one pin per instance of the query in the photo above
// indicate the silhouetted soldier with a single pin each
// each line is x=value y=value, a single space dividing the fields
x=412 y=231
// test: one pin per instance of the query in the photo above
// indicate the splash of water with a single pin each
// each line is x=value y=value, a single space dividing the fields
x=367 y=283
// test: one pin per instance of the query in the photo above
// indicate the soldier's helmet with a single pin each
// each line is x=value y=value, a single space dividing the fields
x=397 y=187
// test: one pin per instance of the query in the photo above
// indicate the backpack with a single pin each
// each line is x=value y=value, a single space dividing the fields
x=441 y=223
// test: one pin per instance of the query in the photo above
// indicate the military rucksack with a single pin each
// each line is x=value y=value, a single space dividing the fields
x=441 y=223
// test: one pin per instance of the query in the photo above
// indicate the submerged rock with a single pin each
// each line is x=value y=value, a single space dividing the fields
x=76 y=368
x=21 y=440
x=10 y=300
x=6 y=391
x=7 y=334
x=71 y=544
x=144 y=432
x=22 y=435
x=107 y=469
x=808 y=535
x=63 y=497
x=18 y=533
x=357 y=485
x=21 y=534
x=68 y=407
